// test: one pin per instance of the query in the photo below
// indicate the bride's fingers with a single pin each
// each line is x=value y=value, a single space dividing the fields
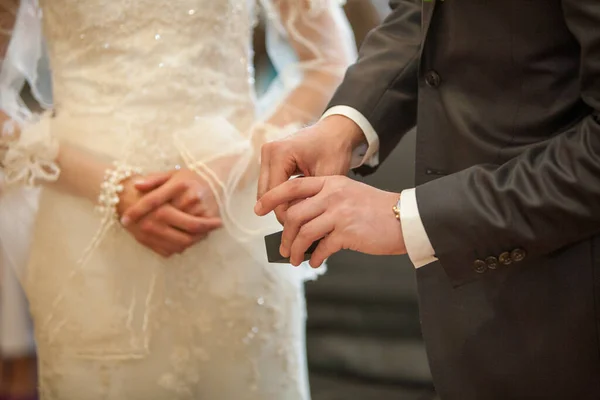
x=152 y=181
x=197 y=210
x=151 y=201
x=154 y=244
x=190 y=198
x=183 y=221
x=168 y=236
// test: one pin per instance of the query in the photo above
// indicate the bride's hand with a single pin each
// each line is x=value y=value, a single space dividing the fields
x=183 y=189
x=166 y=230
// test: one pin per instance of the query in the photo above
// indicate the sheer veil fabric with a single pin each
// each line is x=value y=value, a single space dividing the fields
x=156 y=84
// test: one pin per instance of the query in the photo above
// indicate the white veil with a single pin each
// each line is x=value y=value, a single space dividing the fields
x=25 y=62
x=283 y=57
x=325 y=55
x=302 y=26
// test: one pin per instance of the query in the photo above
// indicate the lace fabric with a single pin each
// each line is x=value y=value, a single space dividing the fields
x=310 y=60
x=299 y=45
x=154 y=85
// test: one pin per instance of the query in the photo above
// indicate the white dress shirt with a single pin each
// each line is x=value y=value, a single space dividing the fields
x=418 y=246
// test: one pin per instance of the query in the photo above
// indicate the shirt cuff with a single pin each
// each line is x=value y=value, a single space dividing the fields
x=366 y=154
x=418 y=246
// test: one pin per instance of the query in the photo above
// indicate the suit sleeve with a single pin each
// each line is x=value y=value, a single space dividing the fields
x=539 y=202
x=382 y=85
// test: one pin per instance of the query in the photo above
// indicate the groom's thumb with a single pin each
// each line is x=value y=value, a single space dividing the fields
x=152 y=181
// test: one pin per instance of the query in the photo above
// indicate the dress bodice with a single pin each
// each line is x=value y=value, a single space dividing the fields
x=142 y=58
x=136 y=72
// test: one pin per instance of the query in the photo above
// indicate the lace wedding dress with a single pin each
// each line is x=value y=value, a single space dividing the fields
x=157 y=84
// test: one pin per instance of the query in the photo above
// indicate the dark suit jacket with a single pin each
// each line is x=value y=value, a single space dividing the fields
x=506 y=98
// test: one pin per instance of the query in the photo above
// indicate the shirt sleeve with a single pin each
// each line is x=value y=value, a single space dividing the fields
x=418 y=246
x=369 y=152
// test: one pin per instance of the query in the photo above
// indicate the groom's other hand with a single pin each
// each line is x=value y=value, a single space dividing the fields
x=320 y=150
x=343 y=213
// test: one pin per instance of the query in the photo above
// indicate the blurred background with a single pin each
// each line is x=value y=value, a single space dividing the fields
x=364 y=339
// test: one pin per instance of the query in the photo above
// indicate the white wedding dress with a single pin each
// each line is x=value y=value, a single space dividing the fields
x=156 y=84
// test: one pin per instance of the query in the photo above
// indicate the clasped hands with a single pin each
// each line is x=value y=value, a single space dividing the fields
x=168 y=211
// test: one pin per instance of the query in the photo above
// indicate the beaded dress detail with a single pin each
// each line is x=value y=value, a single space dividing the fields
x=156 y=84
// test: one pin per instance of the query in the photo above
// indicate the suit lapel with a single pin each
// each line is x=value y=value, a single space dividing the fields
x=427 y=7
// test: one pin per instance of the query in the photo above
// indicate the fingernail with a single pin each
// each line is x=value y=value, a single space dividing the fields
x=283 y=251
x=257 y=207
x=125 y=221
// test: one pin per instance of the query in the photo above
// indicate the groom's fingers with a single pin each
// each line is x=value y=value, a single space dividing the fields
x=282 y=168
x=296 y=189
x=151 y=201
x=296 y=216
x=309 y=233
x=329 y=245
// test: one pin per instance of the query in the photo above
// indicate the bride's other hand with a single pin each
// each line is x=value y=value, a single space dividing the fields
x=183 y=189
x=165 y=229
x=195 y=196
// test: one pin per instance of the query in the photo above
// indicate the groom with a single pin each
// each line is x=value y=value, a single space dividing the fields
x=503 y=225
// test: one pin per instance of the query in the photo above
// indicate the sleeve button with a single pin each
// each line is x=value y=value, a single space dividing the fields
x=518 y=255
x=491 y=262
x=505 y=258
x=479 y=266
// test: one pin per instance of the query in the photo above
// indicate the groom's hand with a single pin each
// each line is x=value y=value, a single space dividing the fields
x=320 y=150
x=343 y=213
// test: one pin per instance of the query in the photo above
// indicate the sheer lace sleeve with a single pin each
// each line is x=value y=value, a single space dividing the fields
x=311 y=44
x=30 y=153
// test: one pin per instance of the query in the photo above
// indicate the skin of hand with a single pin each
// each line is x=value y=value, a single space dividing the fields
x=320 y=150
x=343 y=213
x=166 y=212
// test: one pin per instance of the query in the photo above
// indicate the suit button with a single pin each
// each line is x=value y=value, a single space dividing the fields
x=480 y=266
x=505 y=258
x=518 y=255
x=491 y=262
x=432 y=79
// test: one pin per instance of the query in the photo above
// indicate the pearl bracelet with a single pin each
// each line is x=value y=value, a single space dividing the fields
x=112 y=186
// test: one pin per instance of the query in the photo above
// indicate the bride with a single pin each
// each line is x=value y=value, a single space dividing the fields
x=146 y=274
